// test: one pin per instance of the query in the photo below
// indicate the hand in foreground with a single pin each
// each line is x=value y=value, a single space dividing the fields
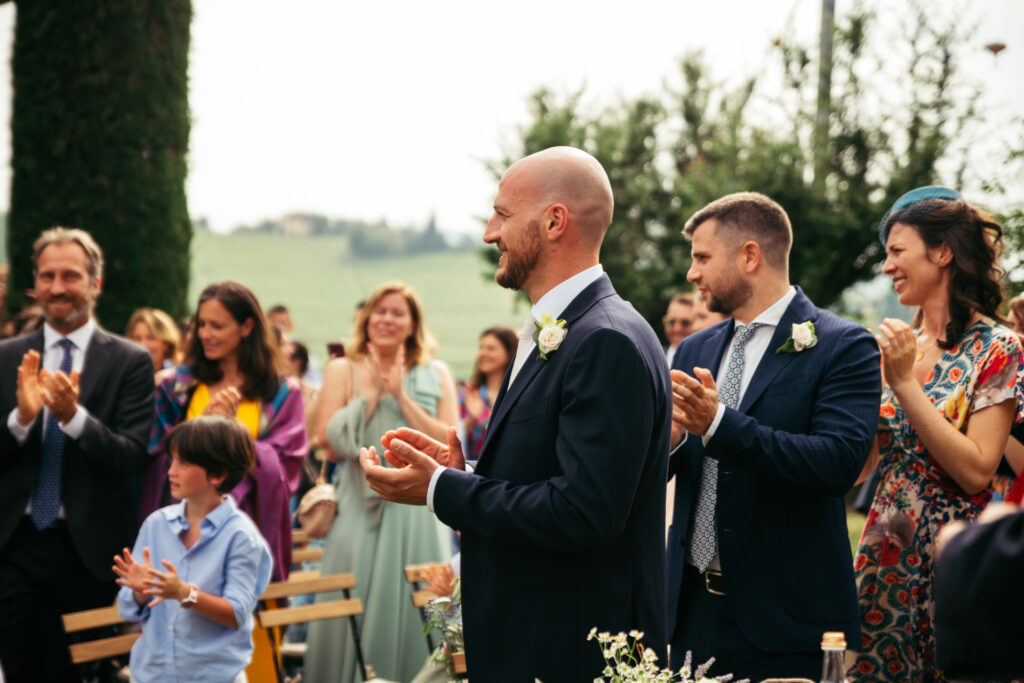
x=694 y=403
x=225 y=402
x=60 y=393
x=407 y=482
x=30 y=395
x=132 y=574
x=446 y=455
x=899 y=348
x=165 y=585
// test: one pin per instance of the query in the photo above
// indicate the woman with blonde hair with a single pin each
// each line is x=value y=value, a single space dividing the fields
x=156 y=332
x=387 y=380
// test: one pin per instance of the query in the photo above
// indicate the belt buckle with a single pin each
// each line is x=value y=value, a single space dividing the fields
x=713 y=578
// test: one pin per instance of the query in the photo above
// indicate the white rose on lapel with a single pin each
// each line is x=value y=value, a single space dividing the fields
x=549 y=335
x=801 y=337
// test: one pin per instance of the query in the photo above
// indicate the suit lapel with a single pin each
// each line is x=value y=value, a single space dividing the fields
x=509 y=395
x=95 y=366
x=714 y=349
x=800 y=310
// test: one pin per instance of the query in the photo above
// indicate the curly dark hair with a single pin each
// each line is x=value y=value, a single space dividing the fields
x=976 y=239
x=260 y=359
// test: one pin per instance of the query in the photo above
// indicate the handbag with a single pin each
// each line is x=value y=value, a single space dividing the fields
x=317 y=508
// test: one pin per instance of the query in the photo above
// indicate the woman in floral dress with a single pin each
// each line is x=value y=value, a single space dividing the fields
x=951 y=393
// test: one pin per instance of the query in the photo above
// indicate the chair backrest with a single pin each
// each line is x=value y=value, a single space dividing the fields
x=420 y=598
x=100 y=648
x=270 y=616
x=300 y=539
x=300 y=555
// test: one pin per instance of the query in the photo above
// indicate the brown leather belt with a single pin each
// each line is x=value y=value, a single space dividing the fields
x=713 y=582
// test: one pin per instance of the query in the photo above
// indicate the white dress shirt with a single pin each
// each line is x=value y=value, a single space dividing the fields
x=753 y=353
x=555 y=301
x=53 y=354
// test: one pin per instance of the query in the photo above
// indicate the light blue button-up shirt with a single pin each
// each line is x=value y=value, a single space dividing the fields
x=230 y=560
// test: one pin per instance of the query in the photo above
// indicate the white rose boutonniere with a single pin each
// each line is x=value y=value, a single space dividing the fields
x=801 y=337
x=549 y=335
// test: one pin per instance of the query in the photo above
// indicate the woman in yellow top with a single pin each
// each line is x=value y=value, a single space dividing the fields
x=233 y=366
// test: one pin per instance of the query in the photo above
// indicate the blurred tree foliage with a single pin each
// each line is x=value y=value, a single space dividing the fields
x=667 y=156
x=100 y=130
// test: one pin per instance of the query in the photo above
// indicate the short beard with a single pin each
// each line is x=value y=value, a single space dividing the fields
x=518 y=266
x=78 y=316
x=735 y=292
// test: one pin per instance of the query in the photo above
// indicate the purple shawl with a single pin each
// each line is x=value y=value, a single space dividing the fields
x=280 y=449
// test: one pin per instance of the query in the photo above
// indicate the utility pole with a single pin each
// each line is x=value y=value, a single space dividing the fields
x=821 y=145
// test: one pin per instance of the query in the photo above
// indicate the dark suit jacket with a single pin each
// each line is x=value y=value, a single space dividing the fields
x=786 y=458
x=116 y=387
x=979 y=611
x=563 y=521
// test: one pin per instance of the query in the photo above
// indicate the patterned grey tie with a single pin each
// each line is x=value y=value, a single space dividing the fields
x=46 y=497
x=525 y=345
x=703 y=545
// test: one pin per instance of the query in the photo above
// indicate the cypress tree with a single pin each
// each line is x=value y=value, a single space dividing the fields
x=100 y=129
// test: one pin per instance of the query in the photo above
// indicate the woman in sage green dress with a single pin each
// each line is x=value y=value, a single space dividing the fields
x=384 y=383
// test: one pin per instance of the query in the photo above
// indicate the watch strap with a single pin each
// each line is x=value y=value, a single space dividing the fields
x=193 y=596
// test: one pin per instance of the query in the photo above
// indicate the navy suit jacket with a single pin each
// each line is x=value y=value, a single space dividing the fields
x=978 y=601
x=116 y=387
x=786 y=458
x=563 y=521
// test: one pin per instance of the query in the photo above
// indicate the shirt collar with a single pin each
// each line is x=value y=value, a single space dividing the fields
x=175 y=515
x=558 y=298
x=80 y=337
x=773 y=314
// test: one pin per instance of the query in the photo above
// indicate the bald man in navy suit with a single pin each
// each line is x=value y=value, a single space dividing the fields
x=563 y=520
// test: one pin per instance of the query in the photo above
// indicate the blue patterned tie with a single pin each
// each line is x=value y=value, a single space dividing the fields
x=46 y=497
x=702 y=541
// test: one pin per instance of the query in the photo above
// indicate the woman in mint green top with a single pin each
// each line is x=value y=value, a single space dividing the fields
x=386 y=382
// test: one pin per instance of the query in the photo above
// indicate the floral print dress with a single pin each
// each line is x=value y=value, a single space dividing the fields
x=916 y=498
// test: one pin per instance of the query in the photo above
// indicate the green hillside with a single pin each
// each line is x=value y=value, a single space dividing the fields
x=315 y=279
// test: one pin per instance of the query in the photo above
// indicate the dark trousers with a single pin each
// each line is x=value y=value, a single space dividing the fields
x=705 y=625
x=41 y=578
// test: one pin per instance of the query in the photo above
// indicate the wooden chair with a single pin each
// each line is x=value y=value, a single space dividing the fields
x=300 y=555
x=420 y=598
x=100 y=648
x=272 y=617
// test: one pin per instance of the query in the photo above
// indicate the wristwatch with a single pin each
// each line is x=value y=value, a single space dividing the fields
x=193 y=596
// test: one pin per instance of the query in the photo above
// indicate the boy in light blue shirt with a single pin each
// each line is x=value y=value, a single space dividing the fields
x=197 y=613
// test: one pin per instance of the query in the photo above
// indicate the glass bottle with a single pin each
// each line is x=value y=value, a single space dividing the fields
x=833 y=645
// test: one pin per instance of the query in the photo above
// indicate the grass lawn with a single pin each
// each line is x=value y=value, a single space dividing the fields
x=320 y=284
x=855 y=525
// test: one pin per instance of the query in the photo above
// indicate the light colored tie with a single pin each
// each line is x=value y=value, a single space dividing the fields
x=703 y=543
x=524 y=347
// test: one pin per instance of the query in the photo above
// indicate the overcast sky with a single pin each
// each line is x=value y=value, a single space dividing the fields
x=387 y=109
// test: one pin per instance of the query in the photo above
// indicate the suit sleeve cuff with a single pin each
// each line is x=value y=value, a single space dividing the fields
x=74 y=427
x=714 y=424
x=17 y=430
